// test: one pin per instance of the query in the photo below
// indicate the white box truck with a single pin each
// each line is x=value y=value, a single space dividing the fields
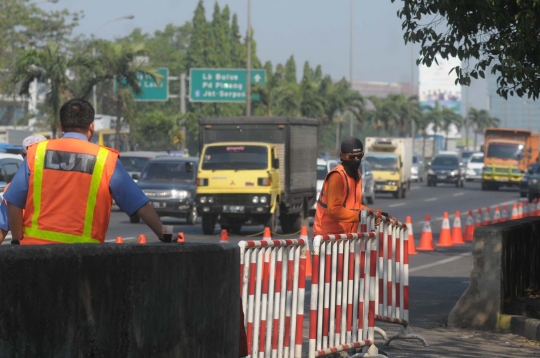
x=391 y=161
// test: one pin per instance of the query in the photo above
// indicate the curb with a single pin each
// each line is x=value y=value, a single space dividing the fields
x=526 y=327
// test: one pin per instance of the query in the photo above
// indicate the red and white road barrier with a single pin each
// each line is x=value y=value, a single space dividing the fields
x=273 y=276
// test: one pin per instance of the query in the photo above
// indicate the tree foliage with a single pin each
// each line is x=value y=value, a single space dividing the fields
x=497 y=36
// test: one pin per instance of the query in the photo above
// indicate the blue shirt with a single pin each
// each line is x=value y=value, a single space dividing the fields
x=126 y=193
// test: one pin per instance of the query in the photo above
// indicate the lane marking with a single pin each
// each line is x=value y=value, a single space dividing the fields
x=396 y=205
x=431 y=199
x=439 y=263
x=458 y=194
x=415 y=188
x=124 y=239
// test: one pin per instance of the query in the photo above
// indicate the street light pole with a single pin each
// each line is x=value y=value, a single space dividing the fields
x=248 y=63
x=126 y=17
x=351 y=62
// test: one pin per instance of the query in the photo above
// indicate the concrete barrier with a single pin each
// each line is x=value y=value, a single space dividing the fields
x=154 y=300
x=505 y=263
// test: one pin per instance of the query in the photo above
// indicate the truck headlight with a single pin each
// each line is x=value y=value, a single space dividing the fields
x=202 y=199
x=454 y=173
x=430 y=171
x=180 y=194
x=263 y=199
x=488 y=170
x=533 y=181
x=255 y=200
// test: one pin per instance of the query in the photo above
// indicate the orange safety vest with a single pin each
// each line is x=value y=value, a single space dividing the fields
x=68 y=199
x=352 y=194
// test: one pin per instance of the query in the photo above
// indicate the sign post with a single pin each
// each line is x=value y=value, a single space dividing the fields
x=221 y=85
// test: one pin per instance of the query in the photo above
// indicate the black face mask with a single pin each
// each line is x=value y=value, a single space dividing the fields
x=351 y=167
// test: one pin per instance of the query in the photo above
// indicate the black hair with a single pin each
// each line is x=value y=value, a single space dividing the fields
x=76 y=114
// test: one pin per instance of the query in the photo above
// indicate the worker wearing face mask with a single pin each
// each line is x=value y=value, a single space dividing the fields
x=340 y=202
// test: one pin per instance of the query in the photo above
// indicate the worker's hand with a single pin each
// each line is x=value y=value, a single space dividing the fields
x=378 y=220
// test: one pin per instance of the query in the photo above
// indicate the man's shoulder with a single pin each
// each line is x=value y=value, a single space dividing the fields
x=109 y=149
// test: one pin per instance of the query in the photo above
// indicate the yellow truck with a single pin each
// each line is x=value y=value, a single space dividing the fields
x=391 y=161
x=256 y=170
x=507 y=155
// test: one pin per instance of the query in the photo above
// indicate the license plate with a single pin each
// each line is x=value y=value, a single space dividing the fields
x=502 y=179
x=157 y=204
x=441 y=177
x=379 y=187
x=233 y=209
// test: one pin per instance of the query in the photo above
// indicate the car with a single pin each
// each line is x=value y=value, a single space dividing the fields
x=9 y=164
x=169 y=183
x=474 y=167
x=533 y=188
x=446 y=168
x=417 y=168
x=524 y=183
x=368 y=183
x=466 y=154
x=134 y=162
x=323 y=167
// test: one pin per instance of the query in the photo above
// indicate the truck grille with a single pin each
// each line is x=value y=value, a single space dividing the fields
x=380 y=182
x=502 y=170
x=233 y=199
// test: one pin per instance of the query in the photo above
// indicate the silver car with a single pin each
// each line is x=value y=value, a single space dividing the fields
x=368 y=184
x=417 y=168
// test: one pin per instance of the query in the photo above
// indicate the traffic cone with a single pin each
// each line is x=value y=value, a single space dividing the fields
x=478 y=218
x=426 y=240
x=142 y=239
x=537 y=207
x=525 y=209
x=224 y=237
x=181 y=237
x=267 y=235
x=119 y=240
x=457 y=233
x=304 y=236
x=487 y=217
x=469 y=228
x=445 y=239
x=520 y=210
x=515 y=213
x=533 y=208
x=497 y=216
x=410 y=238
x=504 y=215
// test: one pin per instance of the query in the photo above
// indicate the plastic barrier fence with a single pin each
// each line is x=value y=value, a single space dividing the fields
x=273 y=277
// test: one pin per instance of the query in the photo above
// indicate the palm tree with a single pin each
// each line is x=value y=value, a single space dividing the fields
x=52 y=65
x=435 y=118
x=385 y=115
x=449 y=118
x=422 y=122
x=480 y=119
x=118 y=62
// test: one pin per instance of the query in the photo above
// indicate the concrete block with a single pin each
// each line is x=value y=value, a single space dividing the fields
x=153 y=300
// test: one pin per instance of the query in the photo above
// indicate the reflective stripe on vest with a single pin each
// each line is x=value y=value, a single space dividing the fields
x=97 y=172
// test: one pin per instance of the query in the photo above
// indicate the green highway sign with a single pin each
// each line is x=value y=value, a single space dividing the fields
x=151 y=91
x=221 y=84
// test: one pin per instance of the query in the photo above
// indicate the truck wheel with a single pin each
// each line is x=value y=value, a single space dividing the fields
x=531 y=198
x=134 y=219
x=273 y=220
x=293 y=223
x=208 y=224
x=403 y=193
x=484 y=186
x=522 y=194
x=397 y=194
x=371 y=199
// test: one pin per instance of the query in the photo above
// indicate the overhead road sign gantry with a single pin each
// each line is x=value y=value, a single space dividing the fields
x=221 y=85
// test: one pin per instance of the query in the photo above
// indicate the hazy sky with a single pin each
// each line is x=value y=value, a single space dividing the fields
x=313 y=30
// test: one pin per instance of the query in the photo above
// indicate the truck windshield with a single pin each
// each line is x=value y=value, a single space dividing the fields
x=382 y=161
x=241 y=157
x=504 y=150
x=445 y=161
x=321 y=171
x=133 y=164
x=166 y=171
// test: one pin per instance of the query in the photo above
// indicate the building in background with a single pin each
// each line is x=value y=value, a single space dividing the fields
x=515 y=112
x=382 y=89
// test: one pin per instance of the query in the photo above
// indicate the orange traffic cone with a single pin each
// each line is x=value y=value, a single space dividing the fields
x=445 y=239
x=410 y=238
x=537 y=207
x=142 y=239
x=224 y=237
x=520 y=210
x=457 y=233
x=426 y=240
x=304 y=236
x=526 y=209
x=504 y=215
x=515 y=213
x=497 y=215
x=181 y=237
x=267 y=235
x=487 y=217
x=469 y=228
x=478 y=218
x=119 y=240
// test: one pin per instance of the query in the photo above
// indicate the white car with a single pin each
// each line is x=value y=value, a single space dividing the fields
x=475 y=165
x=323 y=167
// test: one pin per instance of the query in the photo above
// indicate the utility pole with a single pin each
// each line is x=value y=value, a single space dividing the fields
x=467 y=118
x=248 y=64
x=413 y=130
x=351 y=63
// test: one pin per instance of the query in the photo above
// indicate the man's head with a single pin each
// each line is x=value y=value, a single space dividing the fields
x=352 y=152
x=28 y=141
x=77 y=115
